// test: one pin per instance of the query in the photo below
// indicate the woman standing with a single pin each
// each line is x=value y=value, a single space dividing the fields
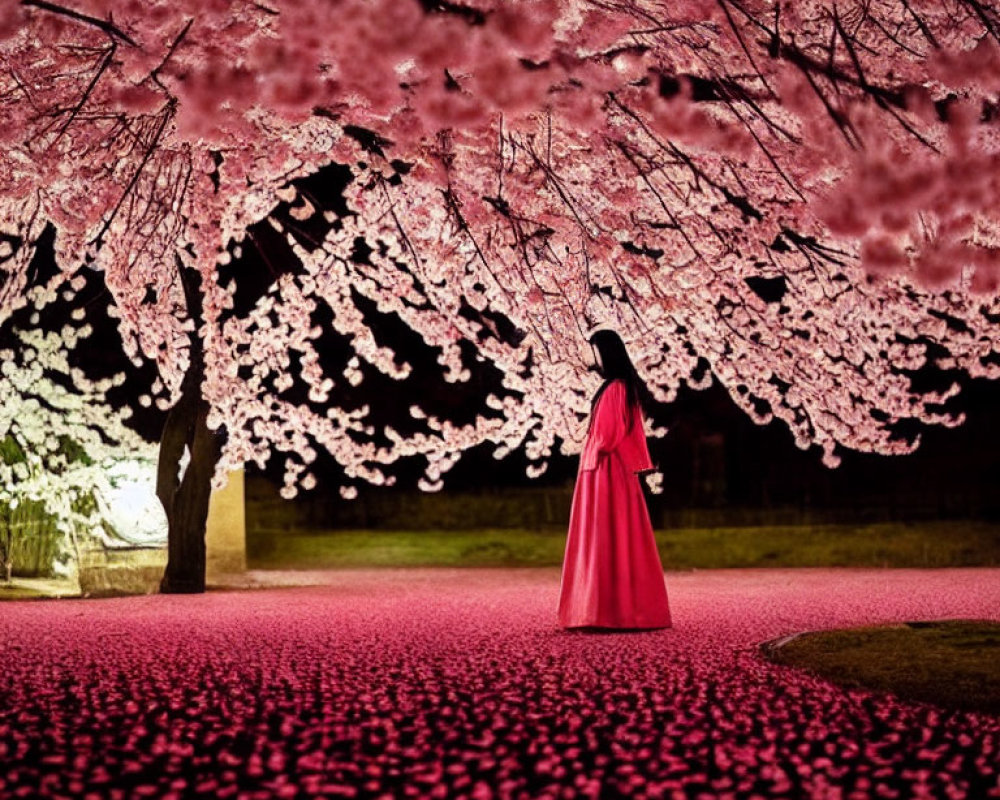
x=612 y=576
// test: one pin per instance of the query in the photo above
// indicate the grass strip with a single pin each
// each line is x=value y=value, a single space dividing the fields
x=954 y=664
x=956 y=543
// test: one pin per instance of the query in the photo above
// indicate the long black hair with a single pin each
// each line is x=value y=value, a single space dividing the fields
x=617 y=366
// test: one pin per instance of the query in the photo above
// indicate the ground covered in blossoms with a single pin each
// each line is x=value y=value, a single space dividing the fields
x=452 y=682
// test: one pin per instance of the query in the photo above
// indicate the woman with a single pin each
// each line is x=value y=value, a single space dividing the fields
x=612 y=576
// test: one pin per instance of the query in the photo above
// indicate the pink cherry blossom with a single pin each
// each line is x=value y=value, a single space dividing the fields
x=416 y=681
x=555 y=164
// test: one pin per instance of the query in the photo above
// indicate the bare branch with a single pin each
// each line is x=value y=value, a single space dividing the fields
x=154 y=76
x=105 y=25
x=87 y=92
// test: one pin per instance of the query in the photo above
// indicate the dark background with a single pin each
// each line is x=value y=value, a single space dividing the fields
x=719 y=469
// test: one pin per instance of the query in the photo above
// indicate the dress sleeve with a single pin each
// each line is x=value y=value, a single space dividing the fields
x=610 y=418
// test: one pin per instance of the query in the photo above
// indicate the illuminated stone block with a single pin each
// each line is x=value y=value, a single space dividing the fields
x=225 y=531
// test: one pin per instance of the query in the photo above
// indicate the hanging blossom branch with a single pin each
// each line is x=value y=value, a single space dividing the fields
x=545 y=164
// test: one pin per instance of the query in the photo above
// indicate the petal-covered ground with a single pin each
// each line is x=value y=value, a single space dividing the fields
x=451 y=682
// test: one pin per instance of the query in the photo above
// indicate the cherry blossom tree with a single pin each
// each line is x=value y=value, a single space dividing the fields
x=798 y=199
x=64 y=444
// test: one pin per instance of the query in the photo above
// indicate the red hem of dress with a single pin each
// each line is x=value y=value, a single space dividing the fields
x=612 y=627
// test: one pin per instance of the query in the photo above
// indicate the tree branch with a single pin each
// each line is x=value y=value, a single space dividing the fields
x=105 y=25
x=87 y=92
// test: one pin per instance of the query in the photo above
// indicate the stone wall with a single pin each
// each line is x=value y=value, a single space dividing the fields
x=225 y=534
x=104 y=572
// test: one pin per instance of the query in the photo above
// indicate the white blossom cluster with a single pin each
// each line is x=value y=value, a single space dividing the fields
x=72 y=442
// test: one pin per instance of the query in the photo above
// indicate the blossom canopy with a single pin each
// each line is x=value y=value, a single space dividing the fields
x=797 y=198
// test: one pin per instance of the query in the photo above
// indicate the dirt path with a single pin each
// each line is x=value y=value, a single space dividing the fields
x=451 y=682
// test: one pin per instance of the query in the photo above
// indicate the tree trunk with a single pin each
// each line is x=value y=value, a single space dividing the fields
x=187 y=504
x=185 y=500
x=12 y=523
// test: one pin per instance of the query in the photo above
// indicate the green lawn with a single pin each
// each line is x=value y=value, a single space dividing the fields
x=950 y=663
x=929 y=544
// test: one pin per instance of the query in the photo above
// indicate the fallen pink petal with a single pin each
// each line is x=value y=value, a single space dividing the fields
x=458 y=682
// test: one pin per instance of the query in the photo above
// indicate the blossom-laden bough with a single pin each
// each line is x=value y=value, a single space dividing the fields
x=796 y=198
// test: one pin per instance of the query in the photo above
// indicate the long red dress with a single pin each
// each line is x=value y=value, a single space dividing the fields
x=612 y=576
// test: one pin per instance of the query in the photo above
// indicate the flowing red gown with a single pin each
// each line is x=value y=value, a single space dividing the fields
x=612 y=576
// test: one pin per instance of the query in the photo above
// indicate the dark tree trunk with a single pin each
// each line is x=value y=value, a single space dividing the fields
x=185 y=501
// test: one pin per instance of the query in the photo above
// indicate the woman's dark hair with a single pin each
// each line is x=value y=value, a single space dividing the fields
x=617 y=366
